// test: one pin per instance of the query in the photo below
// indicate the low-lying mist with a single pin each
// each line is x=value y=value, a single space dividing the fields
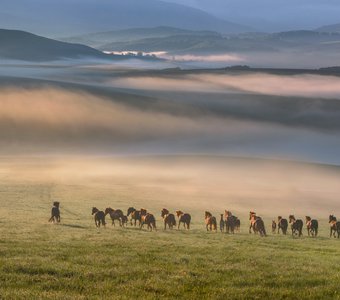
x=191 y=183
x=312 y=86
x=113 y=112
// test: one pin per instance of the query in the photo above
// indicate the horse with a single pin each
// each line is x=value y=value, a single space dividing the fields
x=114 y=215
x=334 y=226
x=312 y=226
x=252 y=219
x=257 y=224
x=124 y=221
x=282 y=224
x=274 y=225
x=183 y=218
x=148 y=219
x=99 y=217
x=230 y=221
x=210 y=221
x=222 y=223
x=297 y=225
x=55 y=213
x=135 y=216
x=237 y=224
x=169 y=219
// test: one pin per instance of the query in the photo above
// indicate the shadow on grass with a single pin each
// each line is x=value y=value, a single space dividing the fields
x=74 y=226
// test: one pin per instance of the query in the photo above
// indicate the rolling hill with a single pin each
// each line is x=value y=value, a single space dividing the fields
x=210 y=42
x=21 y=45
x=99 y=39
x=329 y=28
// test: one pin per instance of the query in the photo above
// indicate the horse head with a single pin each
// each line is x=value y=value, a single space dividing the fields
x=94 y=210
x=179 y=213
x=130 y=210
x=164 y=212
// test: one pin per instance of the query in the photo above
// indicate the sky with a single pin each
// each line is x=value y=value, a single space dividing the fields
x=43 y=17
x=272 y=15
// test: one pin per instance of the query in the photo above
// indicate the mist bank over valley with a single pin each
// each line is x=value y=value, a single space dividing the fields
x=98 y=111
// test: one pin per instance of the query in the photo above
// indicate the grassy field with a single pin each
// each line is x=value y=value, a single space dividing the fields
x=75 y=260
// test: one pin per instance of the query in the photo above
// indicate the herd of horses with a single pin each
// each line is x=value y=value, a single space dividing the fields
x=228 y=222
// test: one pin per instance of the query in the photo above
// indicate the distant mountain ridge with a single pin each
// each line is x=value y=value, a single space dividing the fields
x=99 y=39
x=66 y=17
x=210 y=42
x=330 y=28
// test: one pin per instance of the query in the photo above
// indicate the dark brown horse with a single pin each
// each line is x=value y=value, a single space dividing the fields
x=210 y=221
x=55 y=213
x=312 y=226
x=169 y=219
x=124 y=220
x=115 y=214
x=274 y=225
x=135 y=216
x=256 y=224
x=334 y=226
x=230 y=221
x=99 y=217
x=297 y=225
x=183 y=218
x=222 y=223
x=148 y=219
x=237 y=224
x=282 y=224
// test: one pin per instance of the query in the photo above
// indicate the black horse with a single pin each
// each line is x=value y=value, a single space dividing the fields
x=312 y=226
x=55 y=213
x=297 y=225
x=99 y=217
x=282 y=224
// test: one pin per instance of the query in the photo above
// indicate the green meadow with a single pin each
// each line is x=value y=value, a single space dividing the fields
x=76 y=260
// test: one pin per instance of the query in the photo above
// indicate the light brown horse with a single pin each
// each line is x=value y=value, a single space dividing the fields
x=252 y=219
x=210 y=221
x=115 y=214
x=169 y=219
x=312 y=226
x=135 y=216
x=99 y=217
x=183 y=218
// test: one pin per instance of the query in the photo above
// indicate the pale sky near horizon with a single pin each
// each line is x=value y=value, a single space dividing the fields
x=278 y=14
